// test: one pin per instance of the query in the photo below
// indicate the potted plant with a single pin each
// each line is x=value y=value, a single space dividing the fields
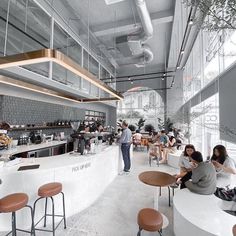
x=149 y=128
x=140 y=123
x=132 y=127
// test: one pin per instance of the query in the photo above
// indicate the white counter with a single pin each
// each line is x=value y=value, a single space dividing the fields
x=31 y=147
x=200 y=215
x=84 y=179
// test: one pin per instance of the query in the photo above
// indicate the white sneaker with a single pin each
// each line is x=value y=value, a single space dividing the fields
x=123 y=172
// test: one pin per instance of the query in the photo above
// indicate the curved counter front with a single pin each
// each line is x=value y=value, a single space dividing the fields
x=84 y=178
x=200 y=215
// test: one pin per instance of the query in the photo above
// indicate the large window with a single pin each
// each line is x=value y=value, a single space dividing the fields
x=213 y=53
x=205 y=127
x=139 y=103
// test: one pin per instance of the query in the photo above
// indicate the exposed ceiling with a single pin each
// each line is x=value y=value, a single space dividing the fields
x=97 y=24
x=106 y=22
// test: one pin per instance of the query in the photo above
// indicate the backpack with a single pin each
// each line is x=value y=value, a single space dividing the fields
x=226 y=194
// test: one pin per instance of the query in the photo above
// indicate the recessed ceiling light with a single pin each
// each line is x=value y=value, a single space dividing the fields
x=128 y=78
x=162 y=78
x=182 y=52
x=178 y=67
x=164 y=74
x=132 y=82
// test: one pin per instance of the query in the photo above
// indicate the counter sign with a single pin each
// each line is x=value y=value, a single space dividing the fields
x=81 y=167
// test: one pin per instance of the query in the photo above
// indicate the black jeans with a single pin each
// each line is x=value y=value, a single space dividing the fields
x=185 y=178
x=125 y=149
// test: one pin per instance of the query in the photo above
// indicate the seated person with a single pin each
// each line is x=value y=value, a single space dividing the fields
x=172 y=142
x=185 y=162
x=155 y=137
x=224 y=165
x=164 y=140
x=154 y=150
x=137 y=138
x=203 y=180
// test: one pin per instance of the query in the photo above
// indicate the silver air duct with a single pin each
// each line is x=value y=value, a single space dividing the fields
x=142 y=54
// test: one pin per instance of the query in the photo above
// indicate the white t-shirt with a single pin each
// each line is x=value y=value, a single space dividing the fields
x=229 y=162
x=184 y=162
x=223 y=178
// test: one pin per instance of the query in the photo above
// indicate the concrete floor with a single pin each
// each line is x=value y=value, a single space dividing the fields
x=115 y=212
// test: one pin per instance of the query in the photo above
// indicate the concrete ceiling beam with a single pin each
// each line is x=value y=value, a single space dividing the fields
x=128 y=25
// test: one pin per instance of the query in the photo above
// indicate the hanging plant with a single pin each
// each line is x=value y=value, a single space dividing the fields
x=217 y=14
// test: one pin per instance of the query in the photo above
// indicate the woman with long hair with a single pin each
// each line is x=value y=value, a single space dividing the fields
x=185 y=165
x=184 y=160
x=224 y=165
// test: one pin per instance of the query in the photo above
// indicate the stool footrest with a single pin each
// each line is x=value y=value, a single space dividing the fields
x=21 y=230
x=48 y=230
x=49 y=215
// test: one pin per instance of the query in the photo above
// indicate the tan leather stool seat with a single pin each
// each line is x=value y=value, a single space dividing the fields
x=50 y=189
x=150 y=220
x=13 y=202
x=234 y=230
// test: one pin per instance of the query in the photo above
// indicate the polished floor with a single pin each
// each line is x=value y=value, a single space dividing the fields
x=115 y=212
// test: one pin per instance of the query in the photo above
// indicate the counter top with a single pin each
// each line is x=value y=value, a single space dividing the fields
x=27 y=148
x=53 y=162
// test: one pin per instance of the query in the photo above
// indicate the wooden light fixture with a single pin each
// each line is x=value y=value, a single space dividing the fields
x=47 y=55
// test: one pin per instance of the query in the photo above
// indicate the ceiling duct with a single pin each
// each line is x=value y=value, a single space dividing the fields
x=141 y=53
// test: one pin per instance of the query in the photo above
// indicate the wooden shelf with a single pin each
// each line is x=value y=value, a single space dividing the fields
x=40 y=127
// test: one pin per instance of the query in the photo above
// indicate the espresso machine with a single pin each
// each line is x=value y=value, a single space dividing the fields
x=78 y=138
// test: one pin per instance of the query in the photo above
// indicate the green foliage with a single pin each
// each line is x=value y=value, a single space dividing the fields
x=132 y=127
x=140 y=123
x=215 y=14
x=148 y=128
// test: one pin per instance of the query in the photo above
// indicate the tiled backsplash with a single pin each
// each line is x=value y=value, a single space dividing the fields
x=20 y=111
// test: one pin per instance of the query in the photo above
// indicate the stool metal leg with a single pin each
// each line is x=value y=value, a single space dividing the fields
x=139 y=232
x=32 y=220
x=45 y=213
x=13 y=223
x=160 y=191
x=160 y=232
x=64 y=210
x=169 y=194
x=53 y=217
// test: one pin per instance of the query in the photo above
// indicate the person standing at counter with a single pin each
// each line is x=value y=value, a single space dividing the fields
x=125 y=141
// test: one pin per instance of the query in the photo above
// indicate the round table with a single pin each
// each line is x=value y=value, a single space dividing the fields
x=157 y=179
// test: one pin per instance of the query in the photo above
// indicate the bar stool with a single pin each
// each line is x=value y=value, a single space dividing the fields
x=150 y=220
x=48 y=191
x=234 y=230
x=13 y=203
